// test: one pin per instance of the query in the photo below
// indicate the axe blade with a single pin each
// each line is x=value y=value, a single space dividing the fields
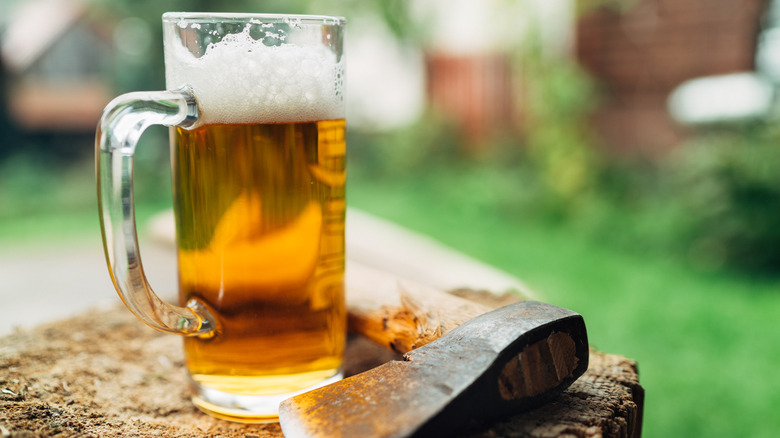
x=504 y=361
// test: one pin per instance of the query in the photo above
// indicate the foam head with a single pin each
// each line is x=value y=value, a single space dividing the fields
x=240 y=78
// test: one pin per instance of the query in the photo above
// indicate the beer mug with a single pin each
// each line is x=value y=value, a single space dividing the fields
x=255 y=106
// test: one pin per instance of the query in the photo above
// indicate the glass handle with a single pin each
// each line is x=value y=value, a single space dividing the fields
x=121 y=125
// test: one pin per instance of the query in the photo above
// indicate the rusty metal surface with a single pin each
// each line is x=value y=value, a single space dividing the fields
x=450 y=386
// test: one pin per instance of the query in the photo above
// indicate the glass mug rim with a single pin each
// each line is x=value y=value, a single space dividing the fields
x=240 y=17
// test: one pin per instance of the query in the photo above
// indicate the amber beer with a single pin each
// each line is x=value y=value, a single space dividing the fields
x=260 y=215
x=259 y=204
x=256 y=109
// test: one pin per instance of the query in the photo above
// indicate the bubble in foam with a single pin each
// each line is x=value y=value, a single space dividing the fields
x=241 y=80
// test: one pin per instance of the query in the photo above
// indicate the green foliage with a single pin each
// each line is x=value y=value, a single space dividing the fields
x=431 y=142
x=560 y=148
x=395 y=14
x=42 y=192
x=549 y=171
x=714 y=203
x=689 y=330
x=38 y=184
x=584 y=6
x=727 y=184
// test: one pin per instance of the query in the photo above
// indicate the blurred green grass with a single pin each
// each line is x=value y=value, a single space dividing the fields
x=51 y=196
x=704 y=337
x=705 y=342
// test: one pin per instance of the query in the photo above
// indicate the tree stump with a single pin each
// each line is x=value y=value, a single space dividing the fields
x=105 y=374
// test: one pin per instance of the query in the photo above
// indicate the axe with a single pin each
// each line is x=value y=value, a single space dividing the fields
x=464 y=364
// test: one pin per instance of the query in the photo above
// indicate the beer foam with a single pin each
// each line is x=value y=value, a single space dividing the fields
x=241 y=80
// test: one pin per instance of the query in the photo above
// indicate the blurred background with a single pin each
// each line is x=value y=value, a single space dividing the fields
x=621 y=157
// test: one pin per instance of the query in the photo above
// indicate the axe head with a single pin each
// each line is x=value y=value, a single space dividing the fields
x=505 y=361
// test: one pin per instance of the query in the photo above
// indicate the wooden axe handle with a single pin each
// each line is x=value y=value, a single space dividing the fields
x=400 y=314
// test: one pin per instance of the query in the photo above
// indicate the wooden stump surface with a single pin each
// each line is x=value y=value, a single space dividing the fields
x=106 y=374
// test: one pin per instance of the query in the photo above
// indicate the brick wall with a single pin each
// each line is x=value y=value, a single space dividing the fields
x=640 y=54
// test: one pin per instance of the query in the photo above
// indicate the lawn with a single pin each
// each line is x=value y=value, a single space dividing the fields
x=707 y=343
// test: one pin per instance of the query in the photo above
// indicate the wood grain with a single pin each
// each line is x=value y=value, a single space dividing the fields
x=400 y=314
x=104 y=374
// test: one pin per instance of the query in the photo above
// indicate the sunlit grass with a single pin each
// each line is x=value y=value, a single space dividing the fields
x=706 y=342
x=48 y=198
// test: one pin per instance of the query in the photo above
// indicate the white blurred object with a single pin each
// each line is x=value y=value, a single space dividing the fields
x=385 y=79
x=31 y=28
x=468 y=27
x=768 y=45
x=726 y=98
x=735 y=97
